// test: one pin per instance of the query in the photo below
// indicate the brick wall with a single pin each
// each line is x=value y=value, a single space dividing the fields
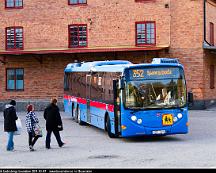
x=41 y=80
x=110 y=23
x=210 y=56
x=186 y=42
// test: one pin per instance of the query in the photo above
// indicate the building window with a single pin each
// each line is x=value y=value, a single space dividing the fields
x=15 y=79
x=145 y=33
x=212 y=34
x=13 y=3
x=77 y=2
x=14 y=38
x=77 y=35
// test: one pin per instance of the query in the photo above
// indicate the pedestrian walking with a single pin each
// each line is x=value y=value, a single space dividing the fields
x=10 y=118
x=31 y=123
x=53 y=123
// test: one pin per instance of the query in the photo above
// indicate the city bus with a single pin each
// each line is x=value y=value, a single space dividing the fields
x=127 y=99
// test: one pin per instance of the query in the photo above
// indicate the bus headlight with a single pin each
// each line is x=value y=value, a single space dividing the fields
x=175 y=119
x=179 y=115
x=133 y=118
x=139 y=121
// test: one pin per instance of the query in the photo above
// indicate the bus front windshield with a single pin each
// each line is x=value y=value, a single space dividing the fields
x=156 y=93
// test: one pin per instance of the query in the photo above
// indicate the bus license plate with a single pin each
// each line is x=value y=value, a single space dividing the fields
x=167 y=119
x=158 y=132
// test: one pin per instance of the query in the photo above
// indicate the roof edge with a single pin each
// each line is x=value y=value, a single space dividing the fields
x=81 y=50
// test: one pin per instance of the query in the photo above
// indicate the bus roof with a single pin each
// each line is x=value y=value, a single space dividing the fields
x=105 y=66
x=117 y=65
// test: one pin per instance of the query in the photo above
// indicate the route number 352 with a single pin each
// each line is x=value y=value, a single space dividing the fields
x=138 y=74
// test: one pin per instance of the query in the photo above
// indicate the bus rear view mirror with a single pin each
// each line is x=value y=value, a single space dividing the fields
x=190 y=97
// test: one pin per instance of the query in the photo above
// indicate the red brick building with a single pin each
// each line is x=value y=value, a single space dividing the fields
x=38 y=38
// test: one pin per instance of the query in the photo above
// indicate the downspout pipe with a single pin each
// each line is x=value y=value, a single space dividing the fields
x=205 y=41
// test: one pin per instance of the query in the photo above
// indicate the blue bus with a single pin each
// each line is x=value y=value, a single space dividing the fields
x=127 y=99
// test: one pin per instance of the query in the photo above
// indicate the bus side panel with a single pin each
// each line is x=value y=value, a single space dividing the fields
x=69 y=100
x=112 y=121
x=98 y=111
x=82 y=103
x=97 y=116
x=67 y=106
x=83 y=111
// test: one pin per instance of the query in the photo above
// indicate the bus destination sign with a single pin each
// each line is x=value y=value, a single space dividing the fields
x=153 y=73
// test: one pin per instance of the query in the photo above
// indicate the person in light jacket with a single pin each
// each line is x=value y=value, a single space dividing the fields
x=10 y=118
x=53 y=123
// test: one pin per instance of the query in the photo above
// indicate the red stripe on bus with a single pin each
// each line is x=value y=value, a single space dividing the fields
x=111 y=108
x=66 y=97
x=98 y=105
x=81 y=100
x=92 y=103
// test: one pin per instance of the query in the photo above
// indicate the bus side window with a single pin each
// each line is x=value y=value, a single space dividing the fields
x=70 y=82
x=106 y=87
x=95 y=88
x=82 y=85
x=111 y=93
x=66 y=85
x=103 y=86
x=99 y=81
x=99 y=85
x=77 y=81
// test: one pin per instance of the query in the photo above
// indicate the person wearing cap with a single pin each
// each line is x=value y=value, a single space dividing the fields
x=31 y=122
x=53 y=123
x=10 y=118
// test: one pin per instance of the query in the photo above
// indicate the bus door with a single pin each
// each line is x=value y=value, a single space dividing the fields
x=117 y=107
x=88 y=94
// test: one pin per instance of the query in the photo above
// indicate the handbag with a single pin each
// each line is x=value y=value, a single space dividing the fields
x=38 y=130
x=19 y=127
x=60 y=127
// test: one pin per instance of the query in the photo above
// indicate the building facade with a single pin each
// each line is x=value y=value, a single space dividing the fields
x=39 y=38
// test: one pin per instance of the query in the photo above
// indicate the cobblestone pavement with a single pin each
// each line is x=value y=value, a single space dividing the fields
x=89 y=147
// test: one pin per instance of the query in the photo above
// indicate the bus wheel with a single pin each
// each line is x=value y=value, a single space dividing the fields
x=79 y=117
x=76 y=113
x=73 y=112
x=108 y=127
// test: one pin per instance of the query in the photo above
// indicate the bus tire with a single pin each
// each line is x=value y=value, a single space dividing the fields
x=76 y=114
x=79 y=117
x=73 y=112
x=108 y=127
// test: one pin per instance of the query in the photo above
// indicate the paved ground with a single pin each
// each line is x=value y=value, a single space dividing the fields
x=89 y=147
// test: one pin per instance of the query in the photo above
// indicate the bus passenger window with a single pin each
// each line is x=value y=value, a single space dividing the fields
x=99 y=81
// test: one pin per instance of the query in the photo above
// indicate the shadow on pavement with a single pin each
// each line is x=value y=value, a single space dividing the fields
x=153 y=139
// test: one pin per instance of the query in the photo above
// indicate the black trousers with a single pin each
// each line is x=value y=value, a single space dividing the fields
x=32 y=139
x=57 y=136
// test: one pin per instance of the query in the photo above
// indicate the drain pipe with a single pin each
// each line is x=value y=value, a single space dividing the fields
x=206 y=43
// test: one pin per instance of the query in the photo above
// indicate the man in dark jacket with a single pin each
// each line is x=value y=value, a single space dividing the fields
x=53 y=123
x=10 y=118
